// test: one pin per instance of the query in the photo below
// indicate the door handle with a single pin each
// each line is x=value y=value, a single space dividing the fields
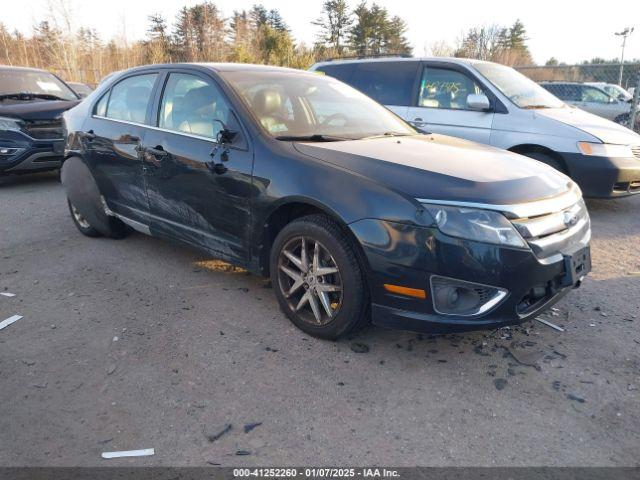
x=418 y=122
x=158 y=151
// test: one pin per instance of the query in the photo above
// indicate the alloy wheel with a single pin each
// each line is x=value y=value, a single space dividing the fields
x=310 y=280
x=79 y=218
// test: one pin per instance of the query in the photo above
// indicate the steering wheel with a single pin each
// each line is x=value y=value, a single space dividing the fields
x=336 y=116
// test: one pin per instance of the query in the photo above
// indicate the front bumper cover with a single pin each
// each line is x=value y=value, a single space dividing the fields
x=408 y=255
x=604 y=177
x=31 y=155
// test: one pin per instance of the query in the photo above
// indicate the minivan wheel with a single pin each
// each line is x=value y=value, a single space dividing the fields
x=548 y=159
x=81 y=222
x=318 y=280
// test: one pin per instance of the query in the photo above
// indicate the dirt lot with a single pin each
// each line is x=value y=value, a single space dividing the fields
x=138 y=343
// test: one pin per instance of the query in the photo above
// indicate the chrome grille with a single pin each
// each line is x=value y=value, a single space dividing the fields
x=551 y=234
x=635 y=149
x=44 y=129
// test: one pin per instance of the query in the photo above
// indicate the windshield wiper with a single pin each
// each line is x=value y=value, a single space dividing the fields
x=29 y=96
x=387 y=134
x=534 y=107
x=317 y=137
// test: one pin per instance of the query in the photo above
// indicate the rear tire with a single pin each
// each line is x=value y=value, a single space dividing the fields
x=322 y=291
x=81 y=223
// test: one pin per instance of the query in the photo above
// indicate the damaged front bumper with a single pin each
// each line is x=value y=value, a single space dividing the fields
x=523 y=284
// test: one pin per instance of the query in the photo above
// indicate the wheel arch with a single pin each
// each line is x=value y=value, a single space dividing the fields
x=289 y=210
x=525 y=148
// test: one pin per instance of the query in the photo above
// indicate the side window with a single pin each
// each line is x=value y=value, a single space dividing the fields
x=590 y=94
x=340 y=71
x=101 y=107
x=191 y=104
x=389 y=83
x=444 y=88
x=130 y=98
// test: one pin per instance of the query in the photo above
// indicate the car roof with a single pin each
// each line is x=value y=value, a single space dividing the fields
x=562 y=82
x=219 y=67
x=18 y=69
x=455 y=60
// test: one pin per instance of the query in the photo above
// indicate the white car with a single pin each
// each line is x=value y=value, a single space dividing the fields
x=592 y=99
x=496 y=105
x=614 y=90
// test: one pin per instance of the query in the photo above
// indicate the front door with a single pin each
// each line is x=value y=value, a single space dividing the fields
x=199 y=191
x=113 y=136
x=442 y=105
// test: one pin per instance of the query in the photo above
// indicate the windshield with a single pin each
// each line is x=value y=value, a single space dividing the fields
x=617 y=91
x=522 y=91
x=312 y=107
x=34 y=83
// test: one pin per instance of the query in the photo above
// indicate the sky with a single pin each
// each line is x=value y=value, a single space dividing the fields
x=569 y=30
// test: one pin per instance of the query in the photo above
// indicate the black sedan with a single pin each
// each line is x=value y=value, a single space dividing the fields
x=353 y=214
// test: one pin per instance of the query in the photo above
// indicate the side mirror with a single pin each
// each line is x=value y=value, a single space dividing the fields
x=478 y=101
x=226 y=136
x=622 y=97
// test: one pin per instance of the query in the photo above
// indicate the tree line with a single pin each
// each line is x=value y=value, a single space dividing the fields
x=202 y=33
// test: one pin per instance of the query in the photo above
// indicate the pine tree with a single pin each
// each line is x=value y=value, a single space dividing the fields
x=334 y=24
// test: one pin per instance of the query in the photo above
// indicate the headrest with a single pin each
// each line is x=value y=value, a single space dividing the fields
x=267 y=102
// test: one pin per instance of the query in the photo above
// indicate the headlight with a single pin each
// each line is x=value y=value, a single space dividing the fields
x=474 y=224
x=7 y=123
x=605 y=149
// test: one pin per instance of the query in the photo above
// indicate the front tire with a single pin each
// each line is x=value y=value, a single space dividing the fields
x=318 y=279
x=548 y=159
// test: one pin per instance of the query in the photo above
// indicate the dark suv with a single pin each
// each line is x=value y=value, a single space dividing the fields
x=31 y=106
x=352 y=213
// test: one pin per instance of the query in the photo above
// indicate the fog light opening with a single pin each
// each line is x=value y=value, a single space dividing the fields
x=462 y=298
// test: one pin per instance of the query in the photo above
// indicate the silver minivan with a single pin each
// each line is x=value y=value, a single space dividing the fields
x=494 y=104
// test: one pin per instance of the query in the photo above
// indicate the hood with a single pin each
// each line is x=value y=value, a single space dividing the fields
x=444 y=168
x=601 y=128
x=36 y=110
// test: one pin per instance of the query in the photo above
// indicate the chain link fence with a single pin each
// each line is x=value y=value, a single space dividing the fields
x=610 y=90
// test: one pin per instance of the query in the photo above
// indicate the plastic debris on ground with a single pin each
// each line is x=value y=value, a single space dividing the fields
x=549 y=324
x=9 y=321
x=130 y=453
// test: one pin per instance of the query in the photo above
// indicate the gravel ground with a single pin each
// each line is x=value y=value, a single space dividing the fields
x=139 y=343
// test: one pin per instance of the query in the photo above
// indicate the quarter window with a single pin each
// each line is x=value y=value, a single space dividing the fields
x=101 y=106
x=193 y=105
x=444 y=88
x=130 y=98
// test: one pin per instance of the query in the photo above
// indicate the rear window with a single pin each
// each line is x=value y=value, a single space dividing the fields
x=389 y=83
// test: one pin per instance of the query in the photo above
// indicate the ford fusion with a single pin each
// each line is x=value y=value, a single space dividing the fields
x=31 y=104
x=354 y=215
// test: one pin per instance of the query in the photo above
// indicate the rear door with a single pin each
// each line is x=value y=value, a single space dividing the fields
x=113 y=137
x=190 y=198
x=441 y=104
